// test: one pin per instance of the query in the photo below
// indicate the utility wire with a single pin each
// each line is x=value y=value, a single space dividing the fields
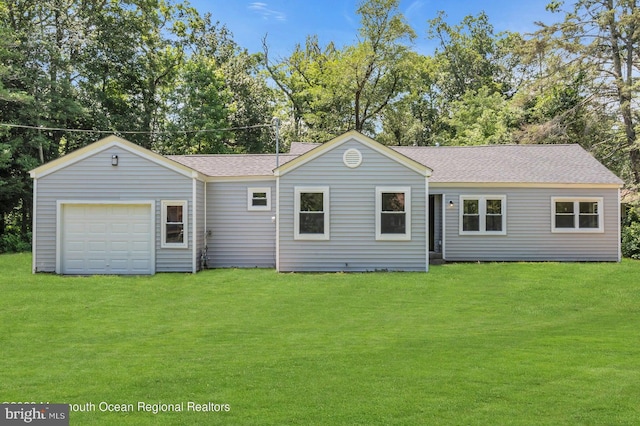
x=132 y=132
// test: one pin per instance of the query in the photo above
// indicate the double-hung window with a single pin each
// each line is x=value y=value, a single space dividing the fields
x=259 y=199
x=174 y=224
x=576 y=214
x=311 y=206
x=483 y=214
x=393 y=213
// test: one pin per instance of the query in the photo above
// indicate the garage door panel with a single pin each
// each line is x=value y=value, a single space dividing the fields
x=121 y=212
x=107 y=239
x=121 y=228
x=76 y=246
x=96 y=246
x=122 y=246
x=119 y=265
x=120 y=252
x=96 y=228
x=141 y=228
x=76 y=226
x=75 y=265
x=138 y=247
x=96 y=264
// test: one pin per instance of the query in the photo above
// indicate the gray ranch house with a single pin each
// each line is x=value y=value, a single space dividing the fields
x=350 y=204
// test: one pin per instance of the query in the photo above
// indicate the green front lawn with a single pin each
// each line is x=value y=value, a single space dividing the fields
x=524 y=344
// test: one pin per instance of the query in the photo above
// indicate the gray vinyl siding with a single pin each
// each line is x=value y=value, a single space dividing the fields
x=94 y=178
x=352 y=245
x=529 y=236
x=239 y=237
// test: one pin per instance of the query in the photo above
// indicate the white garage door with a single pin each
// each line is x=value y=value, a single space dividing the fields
x=107 y=239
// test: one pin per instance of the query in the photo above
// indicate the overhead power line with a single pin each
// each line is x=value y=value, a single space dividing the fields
x=131 y=132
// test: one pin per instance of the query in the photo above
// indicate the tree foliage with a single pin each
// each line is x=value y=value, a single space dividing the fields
x=602 y=39
x=138 y=68
x=331 y=90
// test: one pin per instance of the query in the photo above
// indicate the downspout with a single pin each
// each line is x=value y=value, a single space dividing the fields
x=205 y=236
x=34 y=234
x=619 y=227
x=277 y=222
x=276 y=123
x=426 y=220
x=194 y=226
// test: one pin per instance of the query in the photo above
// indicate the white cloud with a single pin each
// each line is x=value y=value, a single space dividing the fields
x=413 y=8
x=266 y=13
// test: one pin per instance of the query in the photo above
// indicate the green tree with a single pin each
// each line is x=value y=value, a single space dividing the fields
x=481 y=118
x=471 y=56
x=20 y=149
x=477 y=73
x=197 y=105
x=414 y=118
x=251 y=106
x=602 y=38
x=142 y=66
x=304 y=81
x=331 y=91
x=375 y=70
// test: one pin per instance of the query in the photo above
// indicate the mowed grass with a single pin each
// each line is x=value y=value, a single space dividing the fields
x=521 y=344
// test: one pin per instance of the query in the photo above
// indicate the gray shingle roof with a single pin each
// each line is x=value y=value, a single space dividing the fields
x=299 y=148
x=558 y=164
x=232 y=165
x=511 y=164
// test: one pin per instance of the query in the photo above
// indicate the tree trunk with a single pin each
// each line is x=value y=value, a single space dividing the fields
x=634 y=157
x=358 y=122
x=624 y=86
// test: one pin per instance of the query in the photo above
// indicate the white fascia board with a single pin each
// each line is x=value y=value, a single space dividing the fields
x=360 y=138
x=240 y=178
x=107 y=143
x=437 y=185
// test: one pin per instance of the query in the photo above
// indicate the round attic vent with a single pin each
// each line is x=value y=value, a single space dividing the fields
x=352 y=158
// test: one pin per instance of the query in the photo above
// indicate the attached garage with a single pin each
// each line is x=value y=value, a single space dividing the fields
x=111 y=238
x=115 y=208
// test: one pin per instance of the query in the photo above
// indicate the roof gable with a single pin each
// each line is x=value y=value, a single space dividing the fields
x=106 y=143
x=362 y=139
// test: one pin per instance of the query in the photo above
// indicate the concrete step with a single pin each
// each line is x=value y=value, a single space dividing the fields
x=435 y=258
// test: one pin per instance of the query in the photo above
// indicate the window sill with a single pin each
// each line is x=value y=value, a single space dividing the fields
x=174 y=246
x=484 y=234
x=577 y=231
x=393 y=237
x=311 y=237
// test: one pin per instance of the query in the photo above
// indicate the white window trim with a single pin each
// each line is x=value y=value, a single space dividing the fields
x=185 y=221
x=576 y=201
x=482 y=210
x=325 y=208
x=251 y=191
x=407 y=209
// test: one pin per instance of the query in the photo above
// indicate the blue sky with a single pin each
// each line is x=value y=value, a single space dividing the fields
x=288 y=22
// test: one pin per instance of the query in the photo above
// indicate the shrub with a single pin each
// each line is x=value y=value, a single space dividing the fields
x=631 y=234
x=15 y=242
